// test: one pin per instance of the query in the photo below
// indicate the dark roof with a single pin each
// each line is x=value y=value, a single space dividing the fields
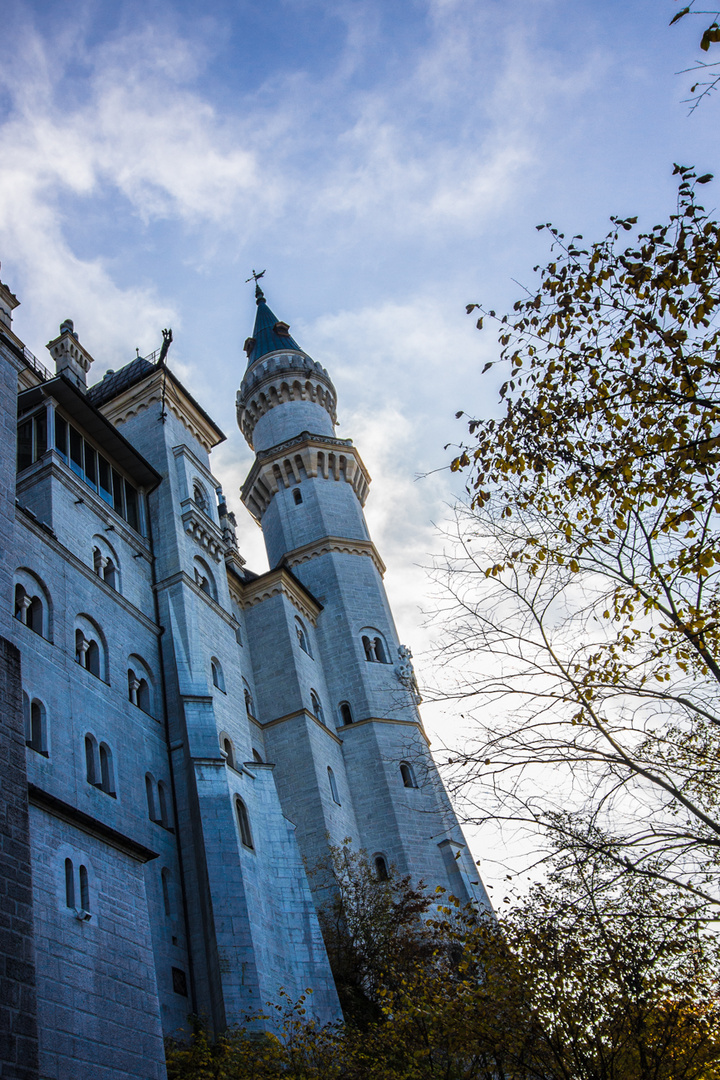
x=134 y=372
x=265 y=337
x=116 y=381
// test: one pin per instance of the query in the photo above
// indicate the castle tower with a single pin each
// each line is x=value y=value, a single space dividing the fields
x=369 y=773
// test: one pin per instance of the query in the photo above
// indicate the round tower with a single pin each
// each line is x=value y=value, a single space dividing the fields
x=307 y=489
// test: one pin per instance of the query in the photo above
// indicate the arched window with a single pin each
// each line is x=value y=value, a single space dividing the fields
x=200 y=497
x=139 y=687
x=217 y=674
x=150 y=792
x=204 y=577
x=92 y=766
x=105 y=563
x=37 y=734
x=248 y=700
x=244 y=823
x=89 y=647
x=84 y=889
x=163 y=805
x=346 y=716
x=229 y=752
x=381 y=870
x=408 y=776
x=302 y=636
x=69 y=884
x=29 y=610
x=297 y=496
x=256 y=756
x=165 y=880
x=374 y=646
x=317 y=706
x=333 y=786
x=107 y=773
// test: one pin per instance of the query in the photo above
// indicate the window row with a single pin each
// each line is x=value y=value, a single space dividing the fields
x=83 y=459
x=77 y=890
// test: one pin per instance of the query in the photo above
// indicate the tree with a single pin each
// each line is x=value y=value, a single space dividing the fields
x=586 y=574
x=373 y=927
x=594 y=975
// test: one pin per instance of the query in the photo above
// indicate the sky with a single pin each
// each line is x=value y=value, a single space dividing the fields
x=385 y=161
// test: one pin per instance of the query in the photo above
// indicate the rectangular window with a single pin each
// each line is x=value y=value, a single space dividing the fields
x=76 y=452
x=90 y=465
x=40 y=425
x=131 y=501
x=118 y=501
x=61 y=436
x=105 y=480
x=25 y=445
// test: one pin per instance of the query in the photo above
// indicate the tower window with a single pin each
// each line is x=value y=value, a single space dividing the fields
x=374 y=646
x=317 y=707
x=381 y=870
x=333 y=786
x=229 y=752
x=84 y=890
x=107 y=773
x=165 y=881
x=248 y=701
x=217 y=674
x=150 y=793
x=408 y=776
x=244 y=824
x=88 y=653
x=302 y=636
x=346 y=715
x=297 y=496
x=69 y=884
x=36 y=735
x=200 y=498
x=92 y=769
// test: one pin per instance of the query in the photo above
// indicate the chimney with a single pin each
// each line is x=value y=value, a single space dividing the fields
x=71 y=359
x=8 y=303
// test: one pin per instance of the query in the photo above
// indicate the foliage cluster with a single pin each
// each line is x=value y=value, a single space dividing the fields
x=592 y=976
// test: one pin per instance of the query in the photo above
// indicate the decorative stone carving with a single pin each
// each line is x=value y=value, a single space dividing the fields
x=204 y=532
x=406 y=673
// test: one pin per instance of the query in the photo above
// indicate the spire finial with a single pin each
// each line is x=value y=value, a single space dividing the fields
x=259 y=295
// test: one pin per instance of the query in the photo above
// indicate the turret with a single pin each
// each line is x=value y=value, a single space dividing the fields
x=278 y=373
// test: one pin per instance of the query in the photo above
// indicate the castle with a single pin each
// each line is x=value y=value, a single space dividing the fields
x=180 y=736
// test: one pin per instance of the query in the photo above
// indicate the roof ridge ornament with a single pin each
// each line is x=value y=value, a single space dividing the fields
x=259 y=294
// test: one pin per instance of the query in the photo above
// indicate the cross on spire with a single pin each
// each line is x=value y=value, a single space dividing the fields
x=259 y=295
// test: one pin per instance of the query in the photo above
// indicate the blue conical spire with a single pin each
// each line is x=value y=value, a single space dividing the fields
x=269 y=334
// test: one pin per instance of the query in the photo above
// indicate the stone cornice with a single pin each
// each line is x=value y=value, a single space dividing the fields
x=300 y=713
x=278 y=582
x=90 y=825
x=320 y=456
x=333 y=544
x=143 y=394
x=383 y=720
x=202 y=529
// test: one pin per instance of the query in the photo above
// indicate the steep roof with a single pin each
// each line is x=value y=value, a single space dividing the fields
x=115 y=382
x=269 y=334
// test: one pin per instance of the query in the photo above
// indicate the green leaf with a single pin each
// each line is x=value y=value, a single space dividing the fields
x=679 y=15
x=711 y=35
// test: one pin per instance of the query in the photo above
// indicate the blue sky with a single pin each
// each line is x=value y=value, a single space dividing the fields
x=385 y=160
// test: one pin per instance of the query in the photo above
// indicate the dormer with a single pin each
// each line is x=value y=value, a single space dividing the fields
x=71 y=359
